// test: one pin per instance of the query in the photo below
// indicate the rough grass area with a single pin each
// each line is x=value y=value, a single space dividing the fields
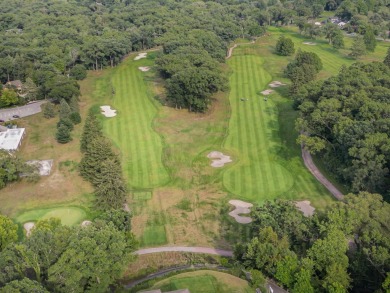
x=64 y=185
x=68 y=215
x=131 y=130
x=204 y=282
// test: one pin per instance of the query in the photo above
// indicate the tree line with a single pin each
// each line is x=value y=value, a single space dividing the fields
x=346 y=248
x=101 y=166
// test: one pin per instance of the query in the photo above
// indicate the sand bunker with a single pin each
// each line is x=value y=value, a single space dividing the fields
x=305 y=207
x=276 y=83
x=219 y=159
x=242 y=207
x=309 y=43
x=107 y=111
x=144 y=69
x=140 y=56
x=267 y=92
x=28 y=226
x=86 y=223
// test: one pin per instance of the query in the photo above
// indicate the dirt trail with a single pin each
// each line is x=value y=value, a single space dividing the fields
x=320 y=177
x=230 y=51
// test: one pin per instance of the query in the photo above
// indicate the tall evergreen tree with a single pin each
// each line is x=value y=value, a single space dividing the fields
x=64 y=109
x=92 y=130
x=369 y=39
x=110 y=187
x=63 y=134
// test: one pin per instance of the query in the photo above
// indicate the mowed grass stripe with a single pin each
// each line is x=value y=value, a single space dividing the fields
x=131 y=130
x=256 y=177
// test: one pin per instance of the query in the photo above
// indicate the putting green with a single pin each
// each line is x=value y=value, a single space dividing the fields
x=68 y=215
x=253 y=133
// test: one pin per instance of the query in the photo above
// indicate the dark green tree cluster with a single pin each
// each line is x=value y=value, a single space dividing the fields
x=191 y=65
x=334 y=251
x=12 y=168
x=303 y=69
x=56 y=258
x=101 y=166
x=285 y=46
x=334 y=34
x=69 y=116
x=346 y=119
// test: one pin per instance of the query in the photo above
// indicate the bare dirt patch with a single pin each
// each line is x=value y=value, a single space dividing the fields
x=242 y=207
x=219 y=159
x=140 y=56
x=305 y=207
x=107 y=111
x=309 y=43
x=276 y=83
x=144 y=68
x=28 y=227
x=267 y=92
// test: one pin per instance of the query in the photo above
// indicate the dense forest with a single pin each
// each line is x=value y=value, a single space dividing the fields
x=46 y=42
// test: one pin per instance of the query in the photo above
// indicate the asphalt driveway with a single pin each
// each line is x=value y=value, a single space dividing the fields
x=22 y=111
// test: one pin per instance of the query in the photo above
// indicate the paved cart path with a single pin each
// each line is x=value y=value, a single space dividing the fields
x=308 y=160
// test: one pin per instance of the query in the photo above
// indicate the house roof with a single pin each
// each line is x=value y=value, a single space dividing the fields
x=10 y=139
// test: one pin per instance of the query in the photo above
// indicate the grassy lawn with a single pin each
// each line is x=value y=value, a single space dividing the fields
x=131 y=130
x=204 y=282
x=269 y=164
x=68 y=215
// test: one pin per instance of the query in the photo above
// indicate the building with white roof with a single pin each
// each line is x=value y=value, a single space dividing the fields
x=11 y=139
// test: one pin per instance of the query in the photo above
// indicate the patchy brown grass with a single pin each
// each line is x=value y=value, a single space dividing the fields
x=64 y=185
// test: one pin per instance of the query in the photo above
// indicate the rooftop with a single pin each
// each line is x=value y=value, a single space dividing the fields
x=10 y=139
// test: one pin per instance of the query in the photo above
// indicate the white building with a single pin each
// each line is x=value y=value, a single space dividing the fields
x=11 y=139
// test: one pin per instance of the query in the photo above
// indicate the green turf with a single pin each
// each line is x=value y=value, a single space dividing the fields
x=204 y=282
x=131 y=130
x=68 y=215
x=266 y=169
x=332 y=59
x=154 y=235
x=142 y=195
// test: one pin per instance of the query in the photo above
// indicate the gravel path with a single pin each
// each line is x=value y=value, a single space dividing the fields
x=320 y=177
x=205 y=250
x=22 y=111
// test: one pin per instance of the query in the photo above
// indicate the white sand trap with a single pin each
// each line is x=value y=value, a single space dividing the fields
x=140 y=56
x=242 y=207
x=144 y=69
x=219 y=159
x=267 y=92
x=276 y=83
x=309 y=43
x=107 y=111
x=305 y=207
x=28 y=226
x=86 y=223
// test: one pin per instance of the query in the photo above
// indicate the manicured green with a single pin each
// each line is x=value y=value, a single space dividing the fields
x=266 y=167
x=154 y=235
x=131 y=130
x=68 y=215
x=204 y=282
